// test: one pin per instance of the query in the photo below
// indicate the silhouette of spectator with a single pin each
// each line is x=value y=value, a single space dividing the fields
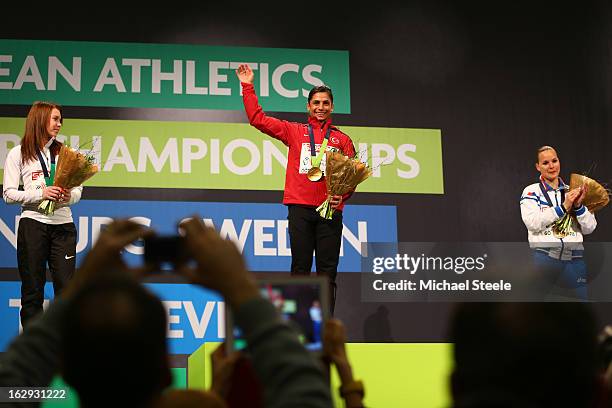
x=284 y=366
x=289 y=374
x=119 y=330
x=525 y=355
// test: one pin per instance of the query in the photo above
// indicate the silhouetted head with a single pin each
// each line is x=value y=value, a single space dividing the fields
x=114 y=345
x=527 y=354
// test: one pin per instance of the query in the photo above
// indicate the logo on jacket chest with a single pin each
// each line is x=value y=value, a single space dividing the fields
x=36 y=174
x=333 y=140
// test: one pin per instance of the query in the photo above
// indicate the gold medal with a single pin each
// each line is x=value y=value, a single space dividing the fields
x=315 y=174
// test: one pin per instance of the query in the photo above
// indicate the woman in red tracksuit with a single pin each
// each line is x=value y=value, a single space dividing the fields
x=308 y=231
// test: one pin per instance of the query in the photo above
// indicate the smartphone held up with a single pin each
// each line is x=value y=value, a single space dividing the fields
x=168 y=249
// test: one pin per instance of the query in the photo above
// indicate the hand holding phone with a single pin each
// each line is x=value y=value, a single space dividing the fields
x=218 y=264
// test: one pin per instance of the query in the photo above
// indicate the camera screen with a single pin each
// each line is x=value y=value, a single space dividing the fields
x=300 y=304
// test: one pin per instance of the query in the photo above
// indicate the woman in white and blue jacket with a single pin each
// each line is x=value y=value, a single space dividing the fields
x=545 y=202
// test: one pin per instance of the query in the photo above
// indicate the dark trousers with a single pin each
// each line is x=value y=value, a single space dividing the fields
x=309 y=232
x=37 y=245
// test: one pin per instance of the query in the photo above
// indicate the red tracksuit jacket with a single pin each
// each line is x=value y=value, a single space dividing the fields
x=298 y=189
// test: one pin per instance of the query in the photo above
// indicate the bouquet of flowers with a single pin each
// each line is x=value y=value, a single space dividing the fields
x=596 y=198
x=342 y=174
x=73 y=168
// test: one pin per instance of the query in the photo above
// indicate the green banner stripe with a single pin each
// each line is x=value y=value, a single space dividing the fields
x=231 y=156
x=166 y=75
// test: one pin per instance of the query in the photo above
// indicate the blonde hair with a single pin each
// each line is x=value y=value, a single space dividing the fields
x=543 y=149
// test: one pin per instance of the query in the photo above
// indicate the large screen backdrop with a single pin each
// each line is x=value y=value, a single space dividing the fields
x=447 y=103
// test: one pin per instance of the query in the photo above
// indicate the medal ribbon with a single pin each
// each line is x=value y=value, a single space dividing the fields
x=316 y=161
x=49 y=178
x=547 y=197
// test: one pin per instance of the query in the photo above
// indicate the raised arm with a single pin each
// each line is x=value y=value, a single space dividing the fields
x=278 y=129
x=288 y=372
x=334 y=349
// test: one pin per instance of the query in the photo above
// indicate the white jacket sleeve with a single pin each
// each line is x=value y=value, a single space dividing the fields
x=10 y=182
x=535 y=217
x=75 y=197
x=586 y=219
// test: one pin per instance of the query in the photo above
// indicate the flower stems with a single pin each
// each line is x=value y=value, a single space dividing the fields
x=562 y=227
x=47 y=207
x=325 y=210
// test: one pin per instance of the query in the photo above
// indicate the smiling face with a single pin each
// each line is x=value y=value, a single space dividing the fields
x=55 y=123
x=320 y=106
x=548 y=165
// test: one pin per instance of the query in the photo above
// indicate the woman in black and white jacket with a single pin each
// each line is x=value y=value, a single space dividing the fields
x=41 y=238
